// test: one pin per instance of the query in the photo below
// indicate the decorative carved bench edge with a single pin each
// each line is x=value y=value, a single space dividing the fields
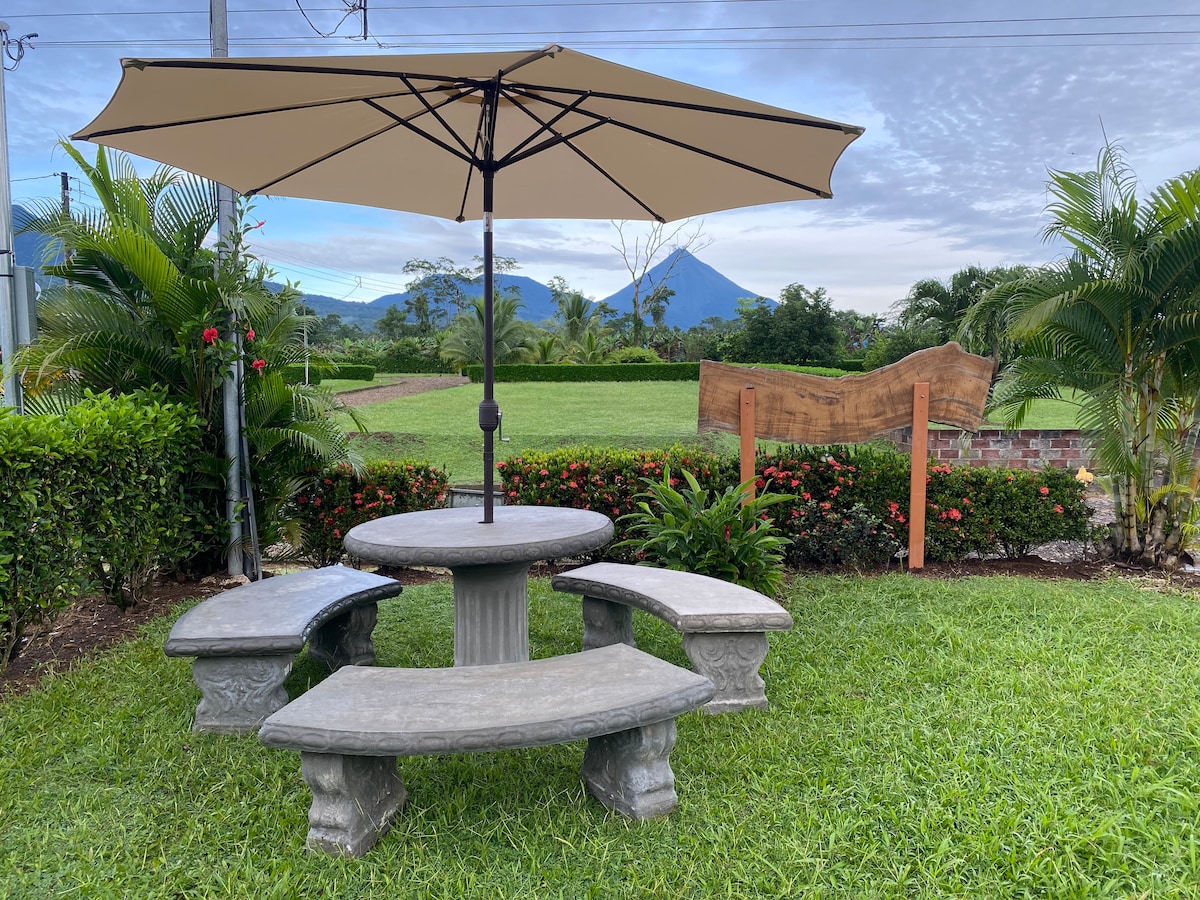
x=357 y=791
x=241 y=679
x=727 y=648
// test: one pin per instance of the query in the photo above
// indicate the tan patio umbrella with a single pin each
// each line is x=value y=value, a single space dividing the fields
x=545 y=134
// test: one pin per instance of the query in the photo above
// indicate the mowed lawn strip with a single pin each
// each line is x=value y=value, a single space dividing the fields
x=442 y=427
x=979 y=737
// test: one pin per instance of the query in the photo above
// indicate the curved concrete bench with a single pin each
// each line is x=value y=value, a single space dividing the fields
x=245 y=639
x=723 y=625
x=350 y=728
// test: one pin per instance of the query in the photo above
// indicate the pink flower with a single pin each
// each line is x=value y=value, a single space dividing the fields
x=1058 y=508
x=211 y=335
x=250 y=335
x=1043 y=490
x=258 y=365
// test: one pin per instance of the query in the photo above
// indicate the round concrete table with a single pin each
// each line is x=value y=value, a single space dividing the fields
x=490 y=564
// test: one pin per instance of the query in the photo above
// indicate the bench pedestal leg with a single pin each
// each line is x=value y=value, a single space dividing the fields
x=345 y=640
x=238 y=692
x=630 y=771
x=730 y=660
x=355 y=799
x=605 y=623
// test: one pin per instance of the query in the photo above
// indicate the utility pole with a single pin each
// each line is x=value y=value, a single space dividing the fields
x=218 y=30
x=65 y=190
x=8 y=319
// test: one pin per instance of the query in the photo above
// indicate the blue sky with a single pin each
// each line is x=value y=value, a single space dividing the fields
x=966 y=105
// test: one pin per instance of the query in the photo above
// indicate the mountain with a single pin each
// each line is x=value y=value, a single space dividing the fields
x=701 y=292
x=536 y=297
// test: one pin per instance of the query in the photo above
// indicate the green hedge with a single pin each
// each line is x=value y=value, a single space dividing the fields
x=396 y=363
x=631 y=372
x=822 y=371
x=333 y=502
x=293 y=373
x=355 y=372
x=93 y=499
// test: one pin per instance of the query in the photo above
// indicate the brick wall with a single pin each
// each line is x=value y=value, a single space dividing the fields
x=1025 y=449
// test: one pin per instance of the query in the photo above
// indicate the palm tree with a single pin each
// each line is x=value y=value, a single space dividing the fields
x=514 y=339
x=984 y=326
x=143 y=305
x=1118 y=321
x=932 y=303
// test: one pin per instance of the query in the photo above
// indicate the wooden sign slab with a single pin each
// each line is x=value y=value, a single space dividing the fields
x=790 y=406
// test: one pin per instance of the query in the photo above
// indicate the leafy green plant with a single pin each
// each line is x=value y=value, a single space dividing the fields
x=730 y=538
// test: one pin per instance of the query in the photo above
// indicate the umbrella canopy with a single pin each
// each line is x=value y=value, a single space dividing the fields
x=545 y=134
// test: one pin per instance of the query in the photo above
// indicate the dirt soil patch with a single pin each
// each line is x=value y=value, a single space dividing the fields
x=405 y=387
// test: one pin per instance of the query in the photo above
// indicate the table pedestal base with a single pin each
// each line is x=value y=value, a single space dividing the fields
x=491 y=614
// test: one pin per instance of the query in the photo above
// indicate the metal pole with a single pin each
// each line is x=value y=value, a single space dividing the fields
x=231 y=396
x=489 y=410
x=8 y=324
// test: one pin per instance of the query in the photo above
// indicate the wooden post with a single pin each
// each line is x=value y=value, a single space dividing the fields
x=916 y=488
x=746 y=432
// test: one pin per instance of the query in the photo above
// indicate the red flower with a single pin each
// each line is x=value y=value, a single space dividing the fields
x=1058 y=508
x=211 y=335
x=1043 y=490
x=250 y=335
x=258 y=365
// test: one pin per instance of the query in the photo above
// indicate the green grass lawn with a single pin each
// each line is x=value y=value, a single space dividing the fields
x=984 y=737
x=442 y=427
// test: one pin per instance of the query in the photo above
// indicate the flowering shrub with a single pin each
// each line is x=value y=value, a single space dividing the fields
x=334 y=502
x=969 y=509
x=853 y=537
x=605 y=480
x=846 y=506
x=1008 y=511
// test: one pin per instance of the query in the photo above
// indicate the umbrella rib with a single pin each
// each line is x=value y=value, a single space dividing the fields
x=226 y=117
x=557 y=138
x=400 y=120
x=515 y=155
x=433 y=111
x=317 y=161
x=538 y=92
x=661 y=138
x=591 y=162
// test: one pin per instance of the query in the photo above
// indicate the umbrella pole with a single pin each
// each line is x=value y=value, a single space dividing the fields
x=489 y=410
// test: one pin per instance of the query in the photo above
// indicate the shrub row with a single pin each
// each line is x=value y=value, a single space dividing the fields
x=851 y=506
x=355 y=372
x=846 y=506
x=331 y=503
x=605 y=480
x=293 y=373
x=94 y=499
x=569 y=372
x=395 y=362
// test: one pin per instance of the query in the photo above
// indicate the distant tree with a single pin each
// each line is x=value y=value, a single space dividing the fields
x=799 y=331
x=393 y=324
x=893 y=344
x=640 y=252
x=437 y=292
x=984 y=328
